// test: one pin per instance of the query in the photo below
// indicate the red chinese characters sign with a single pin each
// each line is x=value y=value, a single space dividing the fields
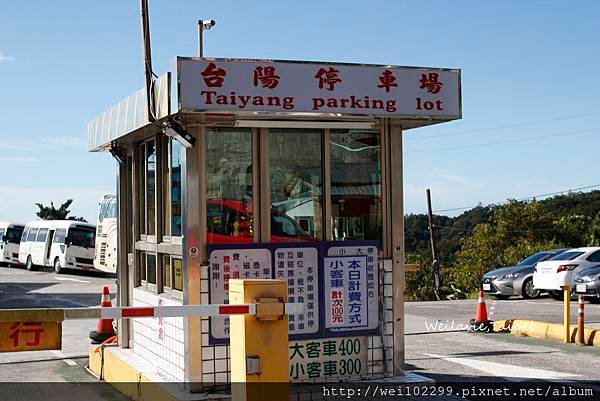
x=254 y=85
x=30 y=336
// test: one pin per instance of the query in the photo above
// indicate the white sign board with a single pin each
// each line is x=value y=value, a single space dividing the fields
x=351 y=288
x=227 y=264
x=331 y=358
x=283 y=86
x=300 y=266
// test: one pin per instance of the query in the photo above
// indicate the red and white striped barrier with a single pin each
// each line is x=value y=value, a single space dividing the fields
x=211 y=310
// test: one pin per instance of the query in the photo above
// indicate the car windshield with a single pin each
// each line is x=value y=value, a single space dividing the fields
x=82 y=237
x=14 y=234
x=108 y=209
x=533 y=259
x=567 y=255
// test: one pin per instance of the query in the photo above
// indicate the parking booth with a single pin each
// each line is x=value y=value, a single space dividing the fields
x=269 y=169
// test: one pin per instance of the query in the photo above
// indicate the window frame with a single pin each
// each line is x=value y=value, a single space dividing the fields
x=161 y=244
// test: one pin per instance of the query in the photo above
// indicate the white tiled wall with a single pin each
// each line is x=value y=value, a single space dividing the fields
x=162 y=348
x=381 y=347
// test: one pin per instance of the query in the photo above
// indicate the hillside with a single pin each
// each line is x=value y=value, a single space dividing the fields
x=566 y=220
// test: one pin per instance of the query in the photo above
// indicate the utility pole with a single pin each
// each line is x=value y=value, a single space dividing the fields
x=436 y=262
x=147 y=60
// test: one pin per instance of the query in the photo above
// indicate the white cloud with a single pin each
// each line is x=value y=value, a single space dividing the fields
x=18 y=203
x=5 y=59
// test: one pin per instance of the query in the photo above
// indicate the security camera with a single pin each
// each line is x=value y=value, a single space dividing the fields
x=207 y=23
x=173 y=130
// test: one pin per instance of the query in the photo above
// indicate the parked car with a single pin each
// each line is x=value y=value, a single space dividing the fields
x=231 y=222
x=516 y=280
x=560 y=270
x=587 y=283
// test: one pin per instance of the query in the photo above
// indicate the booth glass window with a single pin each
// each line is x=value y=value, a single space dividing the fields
x=356 y=209
x=147 y=270
x=296 y=184
x=177 y=265
x=172 y=188
x=175 y=169
x=150 y=162
x=172 y=273
x=166 y=186
x=229 y=186
x=167 y=271
x=151 y=268
x=147 y=183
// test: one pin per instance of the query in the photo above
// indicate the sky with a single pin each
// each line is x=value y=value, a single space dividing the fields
x=531 y=114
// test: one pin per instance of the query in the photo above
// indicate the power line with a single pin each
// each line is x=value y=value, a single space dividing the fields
x=520 y=199
x=531 y=138
x=501 y=127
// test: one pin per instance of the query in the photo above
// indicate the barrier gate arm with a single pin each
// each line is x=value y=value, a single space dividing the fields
x=128 y=312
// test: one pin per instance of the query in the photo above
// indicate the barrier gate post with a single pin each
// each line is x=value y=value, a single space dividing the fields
x=259 y=344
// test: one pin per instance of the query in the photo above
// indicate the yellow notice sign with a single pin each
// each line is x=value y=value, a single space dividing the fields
x=30 y=336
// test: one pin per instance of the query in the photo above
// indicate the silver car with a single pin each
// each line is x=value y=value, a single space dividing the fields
x=516 y=280
x=587 y=283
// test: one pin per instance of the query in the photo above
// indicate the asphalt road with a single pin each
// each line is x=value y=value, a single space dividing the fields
x=20 y=288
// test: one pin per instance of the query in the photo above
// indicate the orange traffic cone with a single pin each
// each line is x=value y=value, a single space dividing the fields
x=104 y=329
x=481 y=322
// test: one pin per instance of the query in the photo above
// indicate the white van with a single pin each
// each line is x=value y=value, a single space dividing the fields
x=10 y=237
x=59 y=244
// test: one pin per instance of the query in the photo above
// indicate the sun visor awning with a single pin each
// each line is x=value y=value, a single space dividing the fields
x=129 y=115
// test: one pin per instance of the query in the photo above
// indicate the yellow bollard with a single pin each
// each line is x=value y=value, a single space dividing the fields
x=567 y=313
x=259 y=344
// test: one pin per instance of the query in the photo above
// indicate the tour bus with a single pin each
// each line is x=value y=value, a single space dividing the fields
x=59 y=244
x=105 y=257
x=10 y=237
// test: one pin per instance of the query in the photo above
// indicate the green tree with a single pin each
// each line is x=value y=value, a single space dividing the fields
x=517 y=230
x=60 y=213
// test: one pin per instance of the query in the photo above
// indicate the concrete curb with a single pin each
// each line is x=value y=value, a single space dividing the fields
x=136 y=383
x=545 y=331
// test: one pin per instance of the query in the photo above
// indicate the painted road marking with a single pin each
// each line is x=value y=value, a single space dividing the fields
x=62 y=356
x=71 y=279
x=508 y=372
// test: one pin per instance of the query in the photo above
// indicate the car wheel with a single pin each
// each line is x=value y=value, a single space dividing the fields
x=558 y=295
x=594 y=300
x=29 y=263
x=529 y=291
x=501 y=296
x=57 y=266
